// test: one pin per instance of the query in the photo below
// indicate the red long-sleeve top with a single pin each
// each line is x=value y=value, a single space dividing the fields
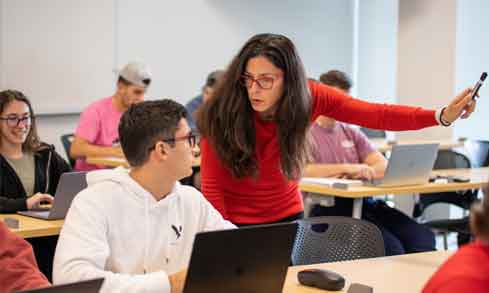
x=272 y=197
x=465 y=271
x=19 y=267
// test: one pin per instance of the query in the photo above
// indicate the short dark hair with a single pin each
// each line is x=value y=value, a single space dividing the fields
x=337 y=79
x=123 y=81
x=144 y=124
x=214 y=77
x=126 y=82
x=479 y=217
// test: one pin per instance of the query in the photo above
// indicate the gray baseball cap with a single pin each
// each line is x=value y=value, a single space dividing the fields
x=136 y=73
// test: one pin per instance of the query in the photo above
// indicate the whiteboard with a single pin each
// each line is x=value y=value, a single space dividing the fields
x=60 y=53
x=182 y=41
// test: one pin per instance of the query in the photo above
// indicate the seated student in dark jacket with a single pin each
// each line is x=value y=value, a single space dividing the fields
x=29 y=169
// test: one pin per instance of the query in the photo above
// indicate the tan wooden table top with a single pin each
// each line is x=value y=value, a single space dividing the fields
x=32 y=227
x=394 y=274
x=478 y=178
x=116 y=162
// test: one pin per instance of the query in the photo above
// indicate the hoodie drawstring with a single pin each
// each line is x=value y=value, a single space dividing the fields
x=48 y=166
x=146 y=228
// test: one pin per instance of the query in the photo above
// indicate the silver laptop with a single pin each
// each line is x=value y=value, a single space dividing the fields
x=68 y=186
x=409 y=164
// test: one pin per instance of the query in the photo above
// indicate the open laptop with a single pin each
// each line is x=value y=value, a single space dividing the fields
x=68 y=186
x=251 y=259
x=89 y=286
x=409 y=164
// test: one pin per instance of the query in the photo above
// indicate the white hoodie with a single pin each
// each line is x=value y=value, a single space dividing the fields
x=117 y=230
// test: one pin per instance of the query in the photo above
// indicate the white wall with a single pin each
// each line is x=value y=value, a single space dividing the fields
x=375 y=55
x=375 y=51
x=58 y=51
x=182 y=45
x=375 y=76
x=426 y=58
x=51 y=128
x=325 y=41
x=472 y=58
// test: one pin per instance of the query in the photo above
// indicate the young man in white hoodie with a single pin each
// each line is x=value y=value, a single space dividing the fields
x=136 y=227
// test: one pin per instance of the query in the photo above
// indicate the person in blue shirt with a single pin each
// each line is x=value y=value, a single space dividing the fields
x=207 y=91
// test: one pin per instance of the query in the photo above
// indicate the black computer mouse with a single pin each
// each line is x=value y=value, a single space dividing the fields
x=323 y=279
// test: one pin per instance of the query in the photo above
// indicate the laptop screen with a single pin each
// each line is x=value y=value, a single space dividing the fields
x=88 y=286
x=250 y=259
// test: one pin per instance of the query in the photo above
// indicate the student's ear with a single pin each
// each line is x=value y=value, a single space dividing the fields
x=161 y=150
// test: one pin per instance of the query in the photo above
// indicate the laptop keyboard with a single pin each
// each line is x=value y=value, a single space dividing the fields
x=40 y=209
x=43 y=214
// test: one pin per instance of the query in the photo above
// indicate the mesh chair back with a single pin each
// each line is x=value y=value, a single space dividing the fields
x=478 y=152
x=329 y=239
x=373 y=133
x=66 y=140
x=447 y=159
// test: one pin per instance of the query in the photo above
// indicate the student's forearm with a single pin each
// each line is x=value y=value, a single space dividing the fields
x=83 y=150
x=379 y=168
x=12 y=205
x=377 y=162
x=114 y=282
x=325 y=170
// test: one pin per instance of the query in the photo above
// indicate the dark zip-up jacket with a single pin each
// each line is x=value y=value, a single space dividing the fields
x=48 y=167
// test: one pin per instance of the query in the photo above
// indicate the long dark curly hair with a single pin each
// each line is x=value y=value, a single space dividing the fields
x=227 y=118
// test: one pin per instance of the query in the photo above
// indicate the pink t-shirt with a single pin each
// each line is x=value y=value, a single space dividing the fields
x=99 y=126
x=342 y=144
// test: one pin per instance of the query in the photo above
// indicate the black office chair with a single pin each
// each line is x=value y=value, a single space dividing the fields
x=478 y=152
x=329 y=239
x=373 y=133
x=66 y=140
x=448 y=159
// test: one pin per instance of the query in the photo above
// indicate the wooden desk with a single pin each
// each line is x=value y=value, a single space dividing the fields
x=108 y=161
x=403 y=273
x=478 y=178
x=116 y=162
x=32 y=227
x=383 y=145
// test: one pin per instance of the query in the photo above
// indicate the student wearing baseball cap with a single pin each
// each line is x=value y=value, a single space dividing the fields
x=96 y=134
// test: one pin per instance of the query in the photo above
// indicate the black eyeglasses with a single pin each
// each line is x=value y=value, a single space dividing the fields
x=14 y=121
x=191 y=138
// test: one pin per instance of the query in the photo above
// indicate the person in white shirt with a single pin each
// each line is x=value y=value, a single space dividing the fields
x=136 y=227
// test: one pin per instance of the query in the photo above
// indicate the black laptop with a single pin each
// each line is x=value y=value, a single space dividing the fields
x=89 y=286
x=253 y=259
